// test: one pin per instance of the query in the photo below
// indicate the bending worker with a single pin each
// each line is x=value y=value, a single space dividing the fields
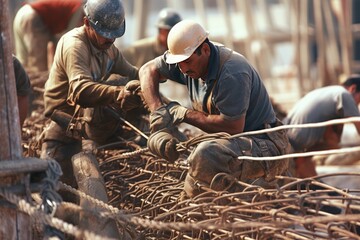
x=320 y=105
x=227 y=95
x=41 y=22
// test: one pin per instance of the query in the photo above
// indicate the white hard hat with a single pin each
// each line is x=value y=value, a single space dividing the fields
x=184 y=38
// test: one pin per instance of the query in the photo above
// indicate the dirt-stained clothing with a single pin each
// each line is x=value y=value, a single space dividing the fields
x=233 y=89
x=81 y=76
x=80 y=72
x=37 y=23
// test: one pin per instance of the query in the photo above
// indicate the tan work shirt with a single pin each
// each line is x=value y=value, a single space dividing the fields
x=143 y=51
x=79 y=72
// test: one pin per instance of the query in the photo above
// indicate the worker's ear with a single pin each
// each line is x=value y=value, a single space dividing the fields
x=206 y=49
x=352 y=88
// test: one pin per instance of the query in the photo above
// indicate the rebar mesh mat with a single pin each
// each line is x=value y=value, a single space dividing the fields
x=152 y=189
x=149 y=188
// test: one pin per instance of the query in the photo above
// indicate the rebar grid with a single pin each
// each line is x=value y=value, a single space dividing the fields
x=152 y=188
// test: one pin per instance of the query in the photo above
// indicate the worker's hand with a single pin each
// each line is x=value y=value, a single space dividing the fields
x=177 y=112
x=163 y=144
x=167 y=116
x=129 y=97
x=160 y=119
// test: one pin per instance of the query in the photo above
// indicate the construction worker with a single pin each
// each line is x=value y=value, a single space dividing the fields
x=227 y=95
x=320 y=105
x=23 y=89
x=86 y=79
x=40 y=23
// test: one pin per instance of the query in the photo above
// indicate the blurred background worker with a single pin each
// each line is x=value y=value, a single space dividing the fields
x=320 y=105
x=37 y=27
x=146 y=49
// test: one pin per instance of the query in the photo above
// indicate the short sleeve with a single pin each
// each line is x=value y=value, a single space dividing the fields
x=232 y=99
x=346 y=105
x=168 y=71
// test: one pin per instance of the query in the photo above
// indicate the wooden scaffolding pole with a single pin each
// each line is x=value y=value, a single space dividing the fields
x=13 y=224
x=9 y=114
x=141 y=15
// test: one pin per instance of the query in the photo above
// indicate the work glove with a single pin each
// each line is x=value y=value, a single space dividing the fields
x=129 y=96
x=160 y=119
x=167 y=116
x=163 y=144
x=177 y=112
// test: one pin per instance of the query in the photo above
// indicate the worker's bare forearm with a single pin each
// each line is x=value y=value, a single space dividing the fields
x=213 y=123
x=149 y=81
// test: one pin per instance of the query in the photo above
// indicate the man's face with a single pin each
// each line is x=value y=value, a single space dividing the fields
x=97 y=40
x=162 y=37
x=196 y=65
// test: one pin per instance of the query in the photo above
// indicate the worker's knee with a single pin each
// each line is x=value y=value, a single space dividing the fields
x=210 y=158
x=205 y=154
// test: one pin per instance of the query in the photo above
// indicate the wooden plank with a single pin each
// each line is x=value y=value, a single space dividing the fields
x=11 y=167
x=320 y=40
x=15 y=225
x=10 y=147
x=141 y=15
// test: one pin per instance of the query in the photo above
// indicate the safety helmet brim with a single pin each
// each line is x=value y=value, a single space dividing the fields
x=176 y=58
x=109 y=33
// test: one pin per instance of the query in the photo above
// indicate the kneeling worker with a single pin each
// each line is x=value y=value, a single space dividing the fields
x=227 y=95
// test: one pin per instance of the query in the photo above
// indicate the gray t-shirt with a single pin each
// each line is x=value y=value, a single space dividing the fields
x=238 y=91
x=319 y=105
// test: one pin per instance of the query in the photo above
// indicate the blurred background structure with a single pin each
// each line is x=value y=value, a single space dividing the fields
x=296 y=45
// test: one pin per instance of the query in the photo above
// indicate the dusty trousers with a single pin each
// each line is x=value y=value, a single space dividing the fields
x=216 y=156
x=56 y=145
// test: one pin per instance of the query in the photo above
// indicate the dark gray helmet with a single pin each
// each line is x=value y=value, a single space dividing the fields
x=168 y=18
x=107 y=17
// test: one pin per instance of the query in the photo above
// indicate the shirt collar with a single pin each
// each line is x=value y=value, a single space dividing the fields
x=213 y=64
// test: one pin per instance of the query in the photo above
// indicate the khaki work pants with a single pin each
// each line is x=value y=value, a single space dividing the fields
x=212 y=157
